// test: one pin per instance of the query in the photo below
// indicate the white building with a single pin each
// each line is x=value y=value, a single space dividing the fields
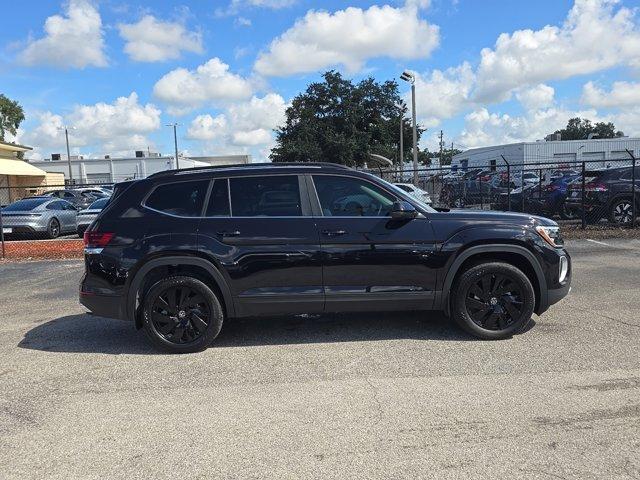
x=110 y=170
x=566 y=153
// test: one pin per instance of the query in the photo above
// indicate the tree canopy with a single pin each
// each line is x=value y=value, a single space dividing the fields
x=338 y=121
x=578 y=129
x=11 y=116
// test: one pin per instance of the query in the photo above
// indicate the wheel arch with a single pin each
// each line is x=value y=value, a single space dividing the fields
x=178 y=264
x=515 y=255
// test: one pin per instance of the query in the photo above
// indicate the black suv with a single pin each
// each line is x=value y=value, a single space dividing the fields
x=608 y=193
x=182 y=251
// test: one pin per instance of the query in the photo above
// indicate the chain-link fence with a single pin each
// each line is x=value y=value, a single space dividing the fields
x=590 y=193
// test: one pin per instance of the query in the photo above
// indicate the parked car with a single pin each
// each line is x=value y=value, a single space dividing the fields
x=550 y=200
x=470 y=189
x=415 y=192
x=46 y=216
x=88 y=215
x=607 y=194
x=181 y=252
x=77 y=197
x=97 y=192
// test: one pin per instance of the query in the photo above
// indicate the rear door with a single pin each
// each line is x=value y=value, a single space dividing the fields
x=260 y=230
x=371 y=261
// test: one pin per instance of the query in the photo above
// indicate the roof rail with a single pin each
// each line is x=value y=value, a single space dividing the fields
x=166 y=173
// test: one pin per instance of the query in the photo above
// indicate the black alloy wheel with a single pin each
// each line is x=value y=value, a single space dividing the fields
x=492 y=300
x=181 y=314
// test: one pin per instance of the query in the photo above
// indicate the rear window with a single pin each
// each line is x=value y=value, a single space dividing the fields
x=25 y=204
x=99 y=204
x=183 y=199
x=273 y=196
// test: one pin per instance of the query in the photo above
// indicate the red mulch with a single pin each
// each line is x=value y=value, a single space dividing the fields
x=43 y=249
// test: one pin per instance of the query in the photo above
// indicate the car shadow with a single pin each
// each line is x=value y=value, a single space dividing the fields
x=90 y=334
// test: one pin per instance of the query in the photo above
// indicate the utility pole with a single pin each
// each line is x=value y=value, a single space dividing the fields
x=66 y=137
x=175 y=142
x=441 y=145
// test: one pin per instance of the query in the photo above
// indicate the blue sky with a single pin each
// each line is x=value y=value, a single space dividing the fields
x=488 y=71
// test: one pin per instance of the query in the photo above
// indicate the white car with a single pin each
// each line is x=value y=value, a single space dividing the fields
x=415 y=192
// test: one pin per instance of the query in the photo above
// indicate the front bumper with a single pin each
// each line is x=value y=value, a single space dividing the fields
x=556 y=294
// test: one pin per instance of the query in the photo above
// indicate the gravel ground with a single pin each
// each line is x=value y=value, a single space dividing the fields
x=359 y=396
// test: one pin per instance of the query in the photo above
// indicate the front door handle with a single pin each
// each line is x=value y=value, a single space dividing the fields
x=333 y=233
x=234 y=233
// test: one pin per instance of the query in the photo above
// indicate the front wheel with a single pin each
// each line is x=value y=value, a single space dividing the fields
x=492 y=300
x=621 y=212
x=181 y=315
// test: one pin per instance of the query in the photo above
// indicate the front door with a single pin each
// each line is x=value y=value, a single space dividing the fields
x=371 y=261
x=260 y=230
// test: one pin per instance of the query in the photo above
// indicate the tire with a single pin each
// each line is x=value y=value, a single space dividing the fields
x=567 y=213
x=53 y=228
x=621 y=212
x=181 y=314
x=498 y=311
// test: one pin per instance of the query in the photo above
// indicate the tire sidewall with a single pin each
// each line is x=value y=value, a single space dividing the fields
x=215 y=321
x=459 y=311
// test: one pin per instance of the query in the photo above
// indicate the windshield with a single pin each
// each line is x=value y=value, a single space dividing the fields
x=414 y=200
x=25 y=204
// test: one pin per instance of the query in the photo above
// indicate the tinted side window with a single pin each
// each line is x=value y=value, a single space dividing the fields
x=351 y=197
x=184 y=199
x=273 y=196
x=68 y=195
x=219 y=199
x=55 y=206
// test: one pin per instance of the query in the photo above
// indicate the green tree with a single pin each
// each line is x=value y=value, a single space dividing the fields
x=338 y=121
x=11 y=116
x=578 y=129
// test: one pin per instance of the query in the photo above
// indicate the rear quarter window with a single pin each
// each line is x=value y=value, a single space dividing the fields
x=183 y=199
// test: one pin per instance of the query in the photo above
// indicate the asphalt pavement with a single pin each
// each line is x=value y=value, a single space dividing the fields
x=344 y=396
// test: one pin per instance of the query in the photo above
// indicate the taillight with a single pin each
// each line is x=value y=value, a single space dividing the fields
x=595 y=187
x=97 y=239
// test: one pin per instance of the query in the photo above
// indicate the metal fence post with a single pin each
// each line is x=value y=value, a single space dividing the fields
x=508 y=183
x=1 y=232
x=583 y=214
x=634 y=200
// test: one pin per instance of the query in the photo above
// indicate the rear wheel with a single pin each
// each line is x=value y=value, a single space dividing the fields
x=492 y=300
x=53 y=229
x=181 y=315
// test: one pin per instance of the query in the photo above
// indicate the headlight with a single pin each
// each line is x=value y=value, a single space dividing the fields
x=551 y=235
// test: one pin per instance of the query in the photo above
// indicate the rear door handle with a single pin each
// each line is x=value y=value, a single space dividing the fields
x=333 y=233
x=234 y=233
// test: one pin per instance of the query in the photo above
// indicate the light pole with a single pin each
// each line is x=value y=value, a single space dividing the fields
x=401 y=166
x=66 y=136
x=175 y=141
x=407 y=76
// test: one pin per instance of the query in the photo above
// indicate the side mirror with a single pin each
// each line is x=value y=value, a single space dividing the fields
x=403 y=211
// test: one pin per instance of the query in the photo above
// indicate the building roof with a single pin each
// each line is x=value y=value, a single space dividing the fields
x=20 y=168
x=13 y=147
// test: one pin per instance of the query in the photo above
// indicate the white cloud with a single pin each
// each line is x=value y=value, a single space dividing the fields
x=622 y=94
x=152 y=40
x=206 y=127
x=443 y=94
x=349 y=38
x=236 y=5
x=210 y=83
x=596 y=35
x=246 y=124
x=71 y=41
x=118 y=126
x=536 y=97
x=483 y=128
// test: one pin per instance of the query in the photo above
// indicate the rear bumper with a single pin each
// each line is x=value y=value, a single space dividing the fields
x=102 y=305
